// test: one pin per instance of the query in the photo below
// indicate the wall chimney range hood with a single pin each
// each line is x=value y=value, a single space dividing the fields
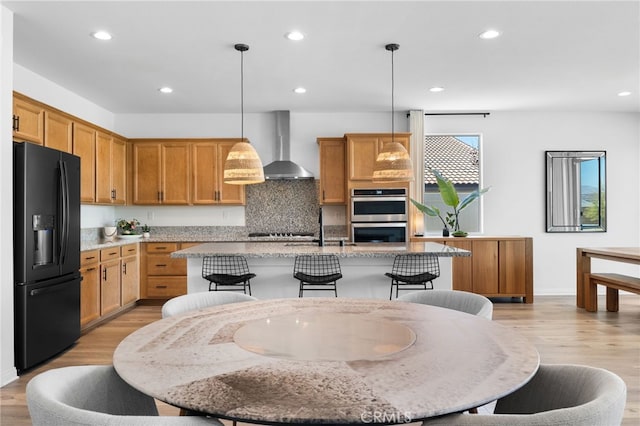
x=283 y=167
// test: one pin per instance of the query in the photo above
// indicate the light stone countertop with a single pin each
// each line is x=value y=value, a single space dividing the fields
x=292 y=249
x=325 y=361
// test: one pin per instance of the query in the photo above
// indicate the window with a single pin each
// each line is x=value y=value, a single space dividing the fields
x=457 y=158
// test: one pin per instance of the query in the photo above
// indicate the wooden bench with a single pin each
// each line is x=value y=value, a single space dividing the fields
x=614 y=283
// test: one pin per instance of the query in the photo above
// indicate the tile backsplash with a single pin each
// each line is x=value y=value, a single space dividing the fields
x=282 y=206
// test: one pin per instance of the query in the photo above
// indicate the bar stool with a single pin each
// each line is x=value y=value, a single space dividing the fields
x=317 y=272
x=229 y=272
x=413 y=271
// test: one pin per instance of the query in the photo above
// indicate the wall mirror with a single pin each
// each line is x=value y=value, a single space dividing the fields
x=576 y=191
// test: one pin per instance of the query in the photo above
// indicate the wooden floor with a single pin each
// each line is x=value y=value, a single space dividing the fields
x=561 y=332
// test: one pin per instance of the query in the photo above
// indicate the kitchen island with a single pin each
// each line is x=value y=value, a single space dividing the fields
x=363 y=265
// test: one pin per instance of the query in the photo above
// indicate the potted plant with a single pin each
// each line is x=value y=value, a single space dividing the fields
x=128 y=227
x=146 y=231
x=450 y=198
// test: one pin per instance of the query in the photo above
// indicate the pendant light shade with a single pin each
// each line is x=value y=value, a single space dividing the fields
x=393 y=162
x=243 y=165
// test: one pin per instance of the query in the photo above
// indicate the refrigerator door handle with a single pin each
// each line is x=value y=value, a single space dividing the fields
x=49 y=289
x=64 y=181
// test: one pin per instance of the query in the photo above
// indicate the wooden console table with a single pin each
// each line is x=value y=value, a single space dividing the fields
x=498 y=266
x=583 y=266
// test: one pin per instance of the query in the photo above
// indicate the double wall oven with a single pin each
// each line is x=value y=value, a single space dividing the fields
x=379 y=215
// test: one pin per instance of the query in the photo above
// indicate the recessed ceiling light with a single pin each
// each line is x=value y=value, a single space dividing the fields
x=489 y=34
x=165 y=90
x=294 y=35
x=300 y=90
x=101 y=35
x=625 y=93
x=436 y=89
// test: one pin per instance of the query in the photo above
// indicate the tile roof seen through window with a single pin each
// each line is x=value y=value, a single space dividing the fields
x=453 y=158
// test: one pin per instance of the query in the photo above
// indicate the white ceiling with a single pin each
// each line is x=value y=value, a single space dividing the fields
x=552 y=55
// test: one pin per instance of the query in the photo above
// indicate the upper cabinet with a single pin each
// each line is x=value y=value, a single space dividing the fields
x=208 y=173
x=84 y=146
x=28 y=120
x=160 y=173
x=58 y=131
x=363 y=149
x=333 y=182
x=182 y=172
x=111 y=155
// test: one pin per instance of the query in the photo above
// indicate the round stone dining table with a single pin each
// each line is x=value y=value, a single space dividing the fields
x=326 y=361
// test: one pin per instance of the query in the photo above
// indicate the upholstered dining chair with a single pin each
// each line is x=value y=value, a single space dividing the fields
x=463 y=301
x=563 y=395
x=201 y=300
x=94 y=395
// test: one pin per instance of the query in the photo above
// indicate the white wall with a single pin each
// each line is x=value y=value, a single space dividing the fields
x=513 y=165
x=7 y=369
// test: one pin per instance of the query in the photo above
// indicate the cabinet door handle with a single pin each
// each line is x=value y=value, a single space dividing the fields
x=161 y=265
x=124 y=268
x=104 y=274
x=89 y=257
x=161 y=286
x=91 y=269
x=323 y=195
x=159 y=198
x=17 y=123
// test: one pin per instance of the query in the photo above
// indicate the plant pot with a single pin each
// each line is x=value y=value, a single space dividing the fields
x=460 y=234
x=146 y=235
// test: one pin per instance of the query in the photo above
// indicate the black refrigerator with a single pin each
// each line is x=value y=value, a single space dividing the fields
x=46 y=242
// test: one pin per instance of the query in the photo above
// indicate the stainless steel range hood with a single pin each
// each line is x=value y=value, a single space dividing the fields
x=283 y=167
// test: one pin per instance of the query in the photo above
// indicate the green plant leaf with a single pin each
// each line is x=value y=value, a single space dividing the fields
x=471 y=197
x=447 y=190
x=428 y=210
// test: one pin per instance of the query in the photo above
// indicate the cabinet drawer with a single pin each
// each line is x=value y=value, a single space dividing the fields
x=161 y=247
x=166 y=286
x=165 y=265
x=109 y=253
x=129 y=250
x=88 y=257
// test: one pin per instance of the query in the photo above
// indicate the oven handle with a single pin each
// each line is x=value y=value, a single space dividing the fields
x=379 y=224
x=378 y=198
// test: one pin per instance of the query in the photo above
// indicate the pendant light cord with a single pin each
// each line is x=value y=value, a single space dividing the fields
x=393 y=121
x=392 y=47
x=241 y=94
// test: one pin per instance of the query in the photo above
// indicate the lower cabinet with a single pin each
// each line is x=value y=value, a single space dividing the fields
x=89 y=286
x=163 y=277
x=110 y=282
x=498 y=266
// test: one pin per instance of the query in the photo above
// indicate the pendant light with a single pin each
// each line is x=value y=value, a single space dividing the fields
x=243 y=165
x=393 y=162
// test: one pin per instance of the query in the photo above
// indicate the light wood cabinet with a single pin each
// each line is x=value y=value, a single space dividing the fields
x=130 y=274
x=208 y=185
x=84 y=146
x=363 y=149
x=89 y=286
x=163 y=277
x=119 y=170
x=111 y=283
x=161 y=173
x=498 y=266
x=333 y=182
x=58 y=131
x=110 y=169
x=28 y=120
x=110 y=289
